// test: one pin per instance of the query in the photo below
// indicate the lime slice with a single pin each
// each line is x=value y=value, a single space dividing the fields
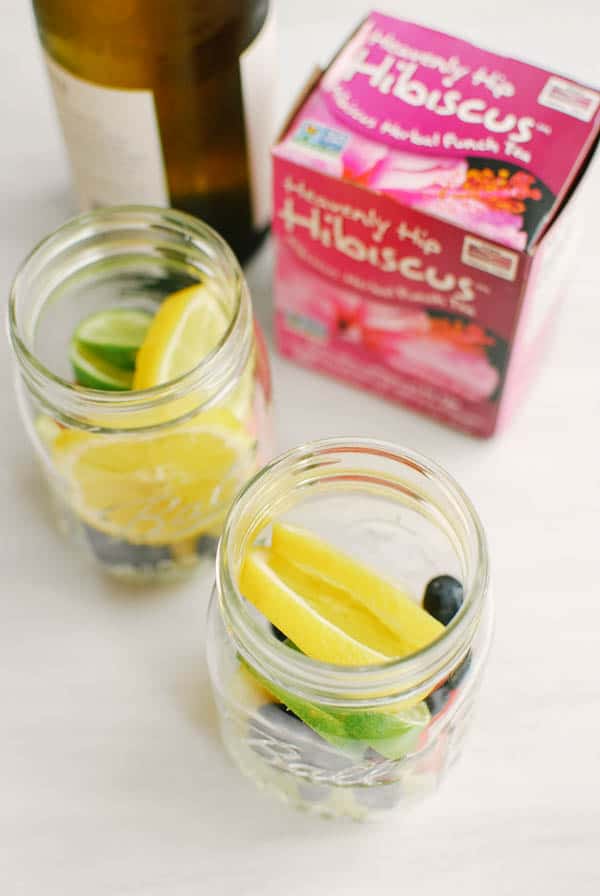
x=96 y=373
x=114 y=335
x=157 y=489
x=313 y=634
x=413 y=627
x=187 y=327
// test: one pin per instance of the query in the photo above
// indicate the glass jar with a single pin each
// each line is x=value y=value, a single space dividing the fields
x=404 y=516
x=141 y=480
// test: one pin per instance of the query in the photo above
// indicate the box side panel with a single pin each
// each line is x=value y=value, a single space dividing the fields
x=547 y=288
x=410 y=307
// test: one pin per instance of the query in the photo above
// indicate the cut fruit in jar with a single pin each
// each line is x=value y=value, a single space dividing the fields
x=312 y=601
x=413 y=627
x=396 y=734
x=158 y=488
x=187 y=327
x=285 y=608
x=114 y=335
x=94 y=372
x=392 y=734
x=334 y=605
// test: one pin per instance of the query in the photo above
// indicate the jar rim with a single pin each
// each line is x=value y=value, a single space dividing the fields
x=408 y=677
x=213 y=373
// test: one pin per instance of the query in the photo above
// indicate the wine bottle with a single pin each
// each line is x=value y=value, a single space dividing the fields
x=167 y=102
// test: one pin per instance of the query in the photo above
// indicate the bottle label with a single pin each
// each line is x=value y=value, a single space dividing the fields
x=257 y=68
x=113 y=141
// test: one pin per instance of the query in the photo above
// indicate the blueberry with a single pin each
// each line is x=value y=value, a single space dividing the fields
x=206 y=546
x=116 y=552
x=443 y=598
x=460 y=672
x=276 y=732
x=277 y=633
x=438 y=699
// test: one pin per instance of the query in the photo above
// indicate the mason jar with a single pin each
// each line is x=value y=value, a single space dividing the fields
x=399 y=725
x=140 y=480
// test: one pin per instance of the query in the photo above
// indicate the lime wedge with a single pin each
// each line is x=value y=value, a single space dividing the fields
x=96 y=373
x=392 y=734
x=114 y=335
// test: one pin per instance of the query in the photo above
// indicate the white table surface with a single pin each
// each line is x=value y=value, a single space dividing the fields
x=113 y=781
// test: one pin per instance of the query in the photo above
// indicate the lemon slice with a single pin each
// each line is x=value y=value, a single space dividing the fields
x=157 y=489
x=412 y=625
x=187 y=327
x=313 y=634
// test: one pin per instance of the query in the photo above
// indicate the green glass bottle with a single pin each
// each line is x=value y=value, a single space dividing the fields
x=167 y=102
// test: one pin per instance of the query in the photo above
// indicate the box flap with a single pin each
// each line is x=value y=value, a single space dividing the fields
x=485 y=141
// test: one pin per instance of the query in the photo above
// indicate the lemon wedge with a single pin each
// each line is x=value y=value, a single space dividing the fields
x=312 y=633
x=335 y=605
x=159 y=488
x=413 y=627
x=187 y=327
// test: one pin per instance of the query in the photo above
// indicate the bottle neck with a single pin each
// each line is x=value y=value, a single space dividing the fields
x=223 y=29
x=378 y=468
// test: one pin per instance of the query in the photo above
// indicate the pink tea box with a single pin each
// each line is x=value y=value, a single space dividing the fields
x=423 y=218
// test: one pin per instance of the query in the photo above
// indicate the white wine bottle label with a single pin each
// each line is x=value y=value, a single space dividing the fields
x=113 y=141
x=257 y=69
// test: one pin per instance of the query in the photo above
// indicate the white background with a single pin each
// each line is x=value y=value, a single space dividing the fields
x=112 y=778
